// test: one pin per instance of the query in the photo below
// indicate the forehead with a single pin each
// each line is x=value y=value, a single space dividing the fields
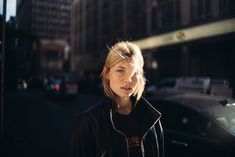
x=125 y=64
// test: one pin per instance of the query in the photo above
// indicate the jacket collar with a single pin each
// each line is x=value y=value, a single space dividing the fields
x=149 y=116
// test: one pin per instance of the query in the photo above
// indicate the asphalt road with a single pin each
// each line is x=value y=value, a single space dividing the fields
x=36 y=126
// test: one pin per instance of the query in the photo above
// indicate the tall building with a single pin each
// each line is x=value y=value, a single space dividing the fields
x=45 y=19
x=97 y=24
x=193 y=38
x=178 y=37
x=48 y=22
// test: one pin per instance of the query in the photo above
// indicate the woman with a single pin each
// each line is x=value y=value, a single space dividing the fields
x=123 y=124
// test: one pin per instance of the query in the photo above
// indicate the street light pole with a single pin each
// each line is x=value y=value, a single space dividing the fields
x=2 y=71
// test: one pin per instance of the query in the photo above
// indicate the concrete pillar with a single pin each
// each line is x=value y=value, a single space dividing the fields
x=185 y=60
x=148 y=16
x=185 y=12
x=214 y=4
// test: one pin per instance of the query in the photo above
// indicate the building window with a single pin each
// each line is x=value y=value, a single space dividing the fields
x=203 y=8
x=226 y=6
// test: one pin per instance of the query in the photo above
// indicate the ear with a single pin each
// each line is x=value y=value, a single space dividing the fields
x=106 y=72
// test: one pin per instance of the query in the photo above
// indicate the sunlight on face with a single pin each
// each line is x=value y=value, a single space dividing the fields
x=123 y=78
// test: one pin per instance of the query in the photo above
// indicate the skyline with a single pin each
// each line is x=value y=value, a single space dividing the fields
x=11 y=8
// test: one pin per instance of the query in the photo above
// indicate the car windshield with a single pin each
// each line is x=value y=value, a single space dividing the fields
x=224 y=115
x=70 y=78
x=56 y=81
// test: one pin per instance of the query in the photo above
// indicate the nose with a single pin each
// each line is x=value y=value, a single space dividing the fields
x=128 y=80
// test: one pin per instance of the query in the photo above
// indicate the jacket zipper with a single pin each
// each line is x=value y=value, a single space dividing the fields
x=142 y=142
x=111 y=115
x=142 y=139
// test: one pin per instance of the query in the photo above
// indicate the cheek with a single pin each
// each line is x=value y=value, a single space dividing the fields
x=113 y=81
x=114 y=86
x=135 y=80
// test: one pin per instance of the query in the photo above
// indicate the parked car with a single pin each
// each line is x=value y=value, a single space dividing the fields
x=197 y=125
x=193 y=84
x=21 y=83
x=65 y=85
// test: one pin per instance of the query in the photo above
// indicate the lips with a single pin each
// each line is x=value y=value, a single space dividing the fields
x=126 y=88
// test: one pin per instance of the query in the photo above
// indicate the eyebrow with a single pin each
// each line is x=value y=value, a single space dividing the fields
x=124 y=68
x=121 y=67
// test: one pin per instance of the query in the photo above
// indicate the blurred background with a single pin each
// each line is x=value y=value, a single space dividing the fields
x=52 y=53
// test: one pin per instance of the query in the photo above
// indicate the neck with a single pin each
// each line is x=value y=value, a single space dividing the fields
x=124 y=106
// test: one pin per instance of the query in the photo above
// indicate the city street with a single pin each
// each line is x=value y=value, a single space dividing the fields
x=183 y=52
x=36 y=126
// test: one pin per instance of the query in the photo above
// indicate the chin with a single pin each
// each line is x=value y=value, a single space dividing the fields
x=126 y=95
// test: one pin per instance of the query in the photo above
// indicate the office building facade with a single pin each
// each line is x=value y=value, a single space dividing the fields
x=98 y=24
x=48 y=23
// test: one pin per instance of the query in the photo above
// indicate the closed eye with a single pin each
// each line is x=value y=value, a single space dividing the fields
x=121 y=71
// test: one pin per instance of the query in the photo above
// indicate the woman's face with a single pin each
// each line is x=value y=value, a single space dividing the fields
x=123 y=78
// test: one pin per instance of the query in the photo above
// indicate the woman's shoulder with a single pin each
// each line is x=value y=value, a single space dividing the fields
x=146 y=105
x=95 y=111
x=95 y=117
x=102 y=105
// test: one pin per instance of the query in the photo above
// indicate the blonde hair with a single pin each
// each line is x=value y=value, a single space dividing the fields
x=119 y=52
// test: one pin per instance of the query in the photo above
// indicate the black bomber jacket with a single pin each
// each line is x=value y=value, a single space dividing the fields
x=95 y=130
